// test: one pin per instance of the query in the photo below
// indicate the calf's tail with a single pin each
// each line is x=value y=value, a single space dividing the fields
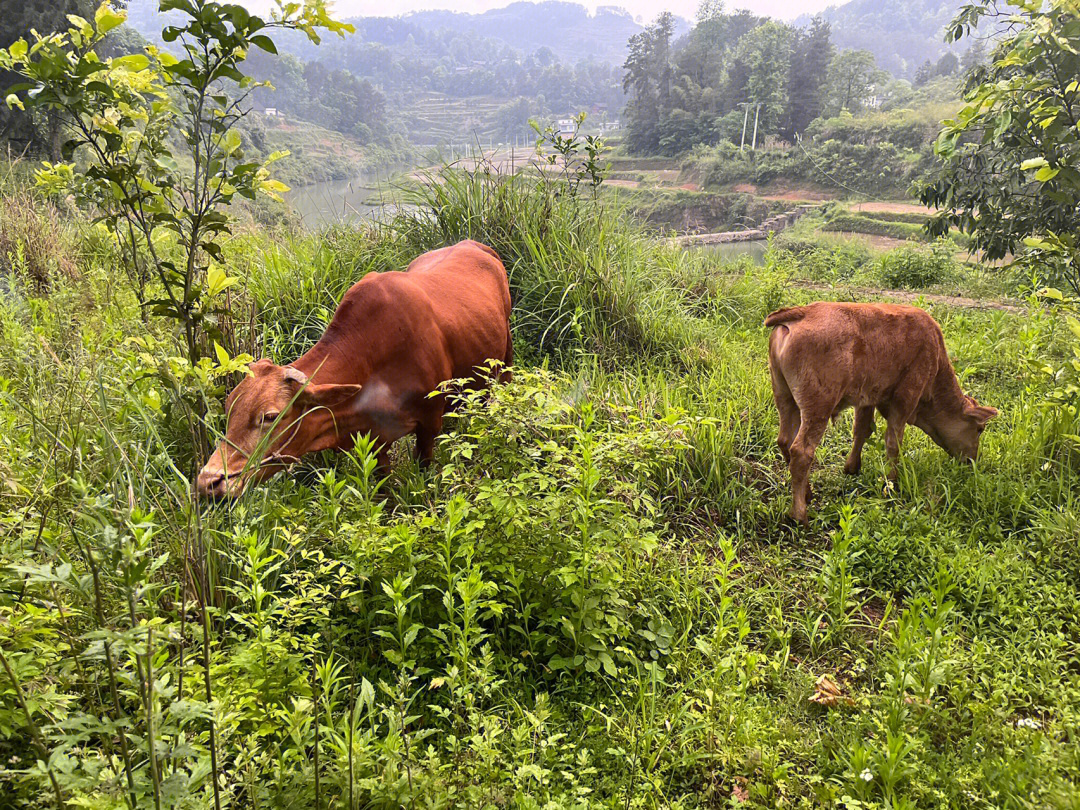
x=785 y=315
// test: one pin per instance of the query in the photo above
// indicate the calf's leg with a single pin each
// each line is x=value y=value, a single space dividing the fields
x=802 y=458
x=864 y=428
x=790 y=418
x=894 y=437
x=898 y=414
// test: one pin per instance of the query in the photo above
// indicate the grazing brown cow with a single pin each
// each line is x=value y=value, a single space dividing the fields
x=826 y=357
x=394 y=339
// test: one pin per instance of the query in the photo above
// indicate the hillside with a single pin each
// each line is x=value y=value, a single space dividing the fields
x=901 y=35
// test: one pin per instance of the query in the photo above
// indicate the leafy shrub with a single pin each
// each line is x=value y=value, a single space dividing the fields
x=914 y=268
x=825 y=259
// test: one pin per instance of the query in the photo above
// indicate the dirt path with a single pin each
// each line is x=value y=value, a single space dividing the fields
x=891 y=208
x=906 y=297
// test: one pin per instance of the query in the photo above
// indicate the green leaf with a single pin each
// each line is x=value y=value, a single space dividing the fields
x=1046 y=174
x=106 y=19
x=217 y=281
x=231 y=142
x=134 y=62
x=264 y=42
x=222 y=355
x=14 y=101
x=1074 y=325
x=18 y=50
x=1033 y=163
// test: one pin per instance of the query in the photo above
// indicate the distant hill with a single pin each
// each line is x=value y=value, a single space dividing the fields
x=567 y=29
x=902 y=34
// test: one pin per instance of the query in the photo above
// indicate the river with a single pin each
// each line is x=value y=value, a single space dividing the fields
x=335 y=201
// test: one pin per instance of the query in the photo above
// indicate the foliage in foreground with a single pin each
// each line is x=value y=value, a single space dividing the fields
x=595 y=602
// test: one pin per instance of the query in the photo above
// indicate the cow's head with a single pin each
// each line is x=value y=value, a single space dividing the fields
x=274 y=416
x=958 y=430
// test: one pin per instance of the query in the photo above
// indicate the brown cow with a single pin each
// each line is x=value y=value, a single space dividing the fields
x=395 y=337
x=827 y=357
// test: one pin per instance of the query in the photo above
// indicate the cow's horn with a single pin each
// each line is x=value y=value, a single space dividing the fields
x=295 y=375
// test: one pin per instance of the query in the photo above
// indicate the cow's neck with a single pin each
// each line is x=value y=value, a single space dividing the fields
x=333 y=363
x=945 y=391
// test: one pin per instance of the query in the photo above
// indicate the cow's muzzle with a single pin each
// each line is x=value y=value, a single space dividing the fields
x=215 y=485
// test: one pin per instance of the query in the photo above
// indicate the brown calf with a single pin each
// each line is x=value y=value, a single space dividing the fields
x=395 y=337
x=826 y=357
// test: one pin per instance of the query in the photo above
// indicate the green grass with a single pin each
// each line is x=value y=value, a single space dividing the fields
x=595 y=601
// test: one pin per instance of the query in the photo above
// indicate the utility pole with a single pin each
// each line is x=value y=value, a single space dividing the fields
x=757 y=111
x=746 y=114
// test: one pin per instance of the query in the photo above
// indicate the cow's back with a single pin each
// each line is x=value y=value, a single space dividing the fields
x=447 y=313
x=467 y=288
x=861 y=350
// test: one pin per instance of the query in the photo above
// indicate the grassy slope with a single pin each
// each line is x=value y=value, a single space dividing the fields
x=597 y=602
x=318 y=154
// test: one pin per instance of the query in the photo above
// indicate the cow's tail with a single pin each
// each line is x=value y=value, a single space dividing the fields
x=785 y=315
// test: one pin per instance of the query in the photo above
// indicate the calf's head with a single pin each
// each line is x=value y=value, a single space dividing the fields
x=957 y=430
x=274 y=416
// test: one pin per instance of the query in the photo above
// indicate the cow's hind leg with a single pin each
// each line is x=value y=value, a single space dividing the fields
x=790 y=418
x=508 y=358
x=802 y=458
x=864 y=428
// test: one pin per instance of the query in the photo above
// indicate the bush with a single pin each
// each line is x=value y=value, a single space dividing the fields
x=913 y=268
x=829 y=258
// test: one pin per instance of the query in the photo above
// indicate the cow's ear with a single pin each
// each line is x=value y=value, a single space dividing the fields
x=328 y=395
x=984 y=413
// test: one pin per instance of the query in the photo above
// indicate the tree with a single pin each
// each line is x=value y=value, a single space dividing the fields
x=974 y=56
x=947 y=65
x=765 y=56
x=17 y=21
x=924 y=74
x=811 y=53
x=852 y=78
x=122 y=116
x=1010 y=160
x=647 y=79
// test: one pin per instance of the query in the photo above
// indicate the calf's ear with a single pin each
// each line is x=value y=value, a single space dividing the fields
x=328 y=395
x=984 y=413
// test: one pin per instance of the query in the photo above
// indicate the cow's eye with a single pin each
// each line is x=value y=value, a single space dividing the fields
x=269 y=417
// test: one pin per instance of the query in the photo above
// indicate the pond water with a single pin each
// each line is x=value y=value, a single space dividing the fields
x=731 y=251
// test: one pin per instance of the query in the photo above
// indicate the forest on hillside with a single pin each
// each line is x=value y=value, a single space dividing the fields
x=740 y=79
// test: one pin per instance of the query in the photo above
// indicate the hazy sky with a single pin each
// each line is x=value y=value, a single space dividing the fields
x=646 y=9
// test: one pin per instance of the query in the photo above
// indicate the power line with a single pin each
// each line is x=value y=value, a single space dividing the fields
x=798 y=140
